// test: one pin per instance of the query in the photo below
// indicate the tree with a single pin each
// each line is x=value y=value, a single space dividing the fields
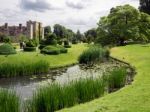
x=145 y=6
x=59 y=31
x=91 y=35
x=47 y=31
x=2 y=36
x=144 y=27
x=121 y=24
x=79 y=36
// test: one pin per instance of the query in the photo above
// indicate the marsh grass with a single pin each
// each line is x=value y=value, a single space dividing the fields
x=9 y=101
x=55 y=97
x=8 y=69
x=117 y=79
x=93 y=54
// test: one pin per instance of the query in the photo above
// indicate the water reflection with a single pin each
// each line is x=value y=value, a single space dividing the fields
x=25 y=86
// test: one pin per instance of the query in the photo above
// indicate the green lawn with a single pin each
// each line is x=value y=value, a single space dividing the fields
x=54 y=60
x=132 y=98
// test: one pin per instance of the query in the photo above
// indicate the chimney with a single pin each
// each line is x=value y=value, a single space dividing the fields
x=6 y=25
x=20 y=26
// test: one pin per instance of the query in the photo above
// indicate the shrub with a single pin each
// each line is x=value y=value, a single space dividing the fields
x=53 y=50
x=42 y=46
x=117 y=78
x=62 y=49
x=55 y=96
x=29 y=49
x=93 y=54
x=31 y=43
x=67 y=46
x=7 y=49
x=9 y=102
x=8 y=69
x=50 y=40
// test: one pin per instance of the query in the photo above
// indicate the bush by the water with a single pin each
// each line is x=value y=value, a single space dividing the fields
x=8 y=69
x=9 y=102
x=55 y=96
x=7 y=49
x=93 y=54
x=54 y=50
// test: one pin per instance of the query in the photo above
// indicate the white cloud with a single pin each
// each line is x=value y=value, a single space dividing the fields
x=75 y=14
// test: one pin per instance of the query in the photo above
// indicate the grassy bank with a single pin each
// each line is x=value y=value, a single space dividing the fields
x=132 y=98
x=54 y=61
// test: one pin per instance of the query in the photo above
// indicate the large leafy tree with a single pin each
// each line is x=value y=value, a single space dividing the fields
x=145 y=6
x=122 y=24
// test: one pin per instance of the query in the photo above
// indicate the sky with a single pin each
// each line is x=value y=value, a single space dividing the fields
x=73 y=14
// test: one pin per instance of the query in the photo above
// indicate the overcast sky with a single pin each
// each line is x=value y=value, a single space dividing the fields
x=74 y=14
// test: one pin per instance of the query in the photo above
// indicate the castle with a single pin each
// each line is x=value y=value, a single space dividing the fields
x=32 y=30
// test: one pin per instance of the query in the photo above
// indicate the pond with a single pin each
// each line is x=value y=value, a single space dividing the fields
x=25 y=86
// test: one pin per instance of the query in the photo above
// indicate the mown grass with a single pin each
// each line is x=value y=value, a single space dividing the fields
x=9 y=102
x=55 y=96
x=132 y=98
x=54 y=61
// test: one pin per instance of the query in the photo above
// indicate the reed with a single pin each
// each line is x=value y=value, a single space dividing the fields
x=9 y=102
x=55 y=97
x=9 y=69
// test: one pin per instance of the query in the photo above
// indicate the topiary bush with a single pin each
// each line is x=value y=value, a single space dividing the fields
x=66 y=44
x=54 y=50
x=62 y=49
x=31 y=45
x=30 y=49
x=51 y=50
x=93 y=54
x=7 y=49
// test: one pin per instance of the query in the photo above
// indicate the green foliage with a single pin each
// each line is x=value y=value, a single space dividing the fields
x=8 y=69
x=30 y=49
x=7 y=49
x=55 y=97
x=9 y=102
x=42 y=46
x=145 y=6
x=124 y=23
x=50 y=40
x=91 y=35
x=7 y=40
x=54 y=50
x=66 y=44
x=93 y=54
x=31 y=43
x=47 y=31
x=117 y=78
x=51 y=50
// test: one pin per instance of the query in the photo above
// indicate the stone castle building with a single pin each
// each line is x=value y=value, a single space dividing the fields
x=32 y=30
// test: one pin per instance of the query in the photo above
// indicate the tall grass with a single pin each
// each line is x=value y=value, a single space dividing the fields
x=8 y=69
x=55 y=97
x=117 y=78
x=9 y=102
x=93 y=54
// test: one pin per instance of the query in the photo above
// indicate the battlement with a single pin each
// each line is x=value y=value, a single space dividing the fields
x=32 y=30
